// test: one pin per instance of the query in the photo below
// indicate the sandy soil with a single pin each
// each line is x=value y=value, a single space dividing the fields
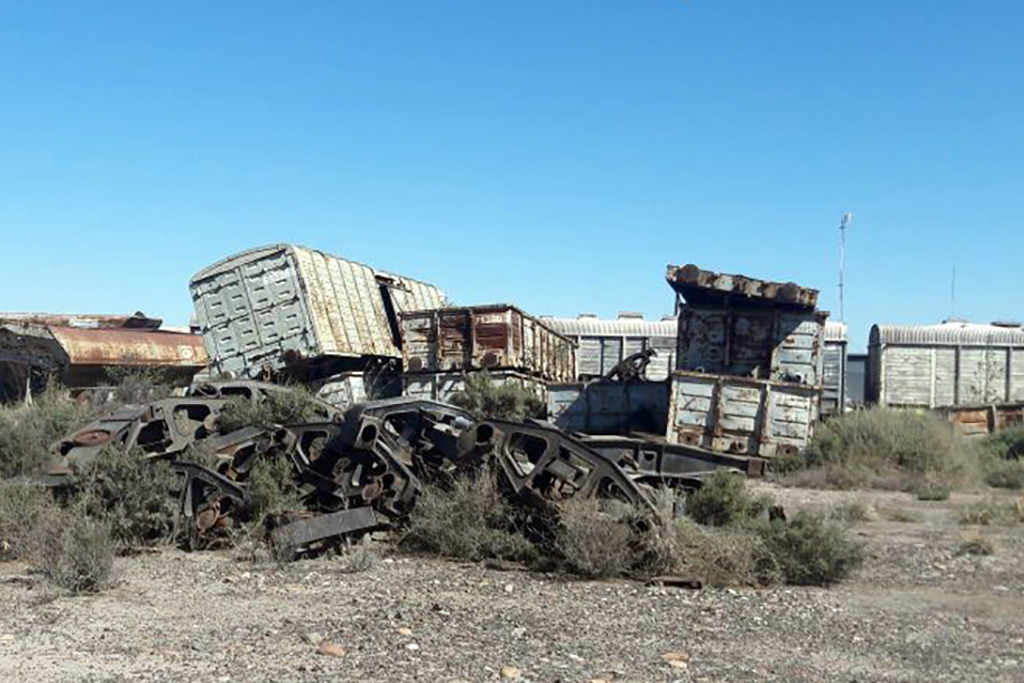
x=917 y=611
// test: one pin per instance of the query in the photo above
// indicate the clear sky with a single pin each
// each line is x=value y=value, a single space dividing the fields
x=552 y=154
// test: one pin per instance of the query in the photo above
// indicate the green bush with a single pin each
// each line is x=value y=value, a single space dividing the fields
x=507 y=401
x=723 y=499
x=135 y=496
x=74 y=551
x=272 y=487
x=810 y=550
x=26 y=431
x=468 y=520
x=883 y=446
x=291 y=405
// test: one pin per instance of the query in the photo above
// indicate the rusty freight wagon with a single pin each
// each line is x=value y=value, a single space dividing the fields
x=492 y=337
x=288 y=308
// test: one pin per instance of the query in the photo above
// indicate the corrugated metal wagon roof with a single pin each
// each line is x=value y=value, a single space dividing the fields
x=835 y=332
x=947 y=334
x=622 y=327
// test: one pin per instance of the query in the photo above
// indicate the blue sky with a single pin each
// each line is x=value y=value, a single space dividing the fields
x=553 y=154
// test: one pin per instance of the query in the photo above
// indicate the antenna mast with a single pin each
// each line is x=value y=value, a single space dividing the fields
x=844 y=223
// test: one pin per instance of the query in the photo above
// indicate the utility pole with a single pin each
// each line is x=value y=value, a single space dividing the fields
x=844 y=223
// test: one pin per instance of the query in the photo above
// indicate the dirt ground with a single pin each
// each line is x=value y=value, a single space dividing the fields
x=917 y=611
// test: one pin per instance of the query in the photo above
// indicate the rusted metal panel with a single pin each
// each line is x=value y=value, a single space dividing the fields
x=128 y=347
x=280 y=306
x=706 y=288
x=741 y=416
x=87 y=320
x=763 y=343
x=982 y=420
x=485 y=337
x=441 y=386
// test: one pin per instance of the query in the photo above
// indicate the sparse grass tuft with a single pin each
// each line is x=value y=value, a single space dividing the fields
x=508 y=401
x=932 y=490
x=988 y=512
x=854 y=511
x=974 y=543
x=904 y=515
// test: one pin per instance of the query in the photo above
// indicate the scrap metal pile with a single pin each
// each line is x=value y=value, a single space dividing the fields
x=362 y=469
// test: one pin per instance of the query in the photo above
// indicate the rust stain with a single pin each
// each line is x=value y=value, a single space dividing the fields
x=130 y=347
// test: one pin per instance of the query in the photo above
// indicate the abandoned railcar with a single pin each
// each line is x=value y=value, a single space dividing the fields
x=834 y=369
x=949 y=364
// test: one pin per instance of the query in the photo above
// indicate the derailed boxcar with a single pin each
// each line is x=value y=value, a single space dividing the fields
x=285 y=306
x=740 y=415
x=492 y=337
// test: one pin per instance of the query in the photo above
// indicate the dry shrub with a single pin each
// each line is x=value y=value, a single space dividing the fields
x=973 y=543
x=883 y=447
x=714 y=556
x=292 y=405
x=593 y=544
x=74 y=551
x=26 y=431
x=135 y=496
x=23 y=506
x=1006 y=444
x=1004 y=474
x=810 y=550
x=988 y=512
x=470 y=519
x=508 y=401
x=355 y=557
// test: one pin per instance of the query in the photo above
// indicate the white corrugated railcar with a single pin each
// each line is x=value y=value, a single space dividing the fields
x=950 y=364
x=833 y=398
x=600 y=344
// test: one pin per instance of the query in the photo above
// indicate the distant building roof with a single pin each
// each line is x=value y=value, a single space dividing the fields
x=835 y=331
